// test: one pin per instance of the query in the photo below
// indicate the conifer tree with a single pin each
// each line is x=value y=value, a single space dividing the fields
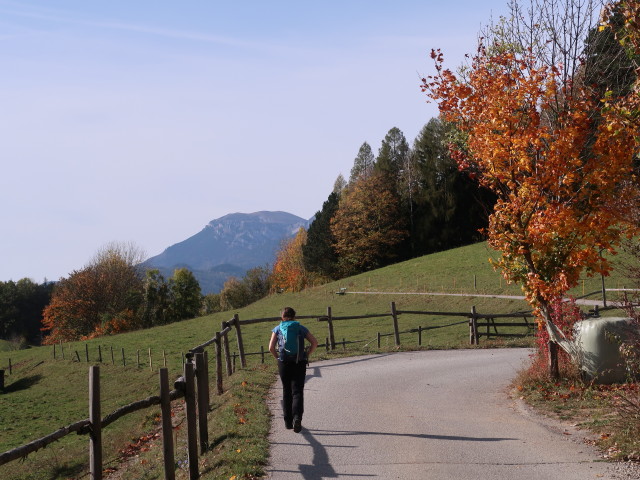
x=318 y=253
x=363 y=163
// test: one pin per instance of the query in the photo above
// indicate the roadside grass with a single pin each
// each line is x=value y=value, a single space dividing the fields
x=43 y=394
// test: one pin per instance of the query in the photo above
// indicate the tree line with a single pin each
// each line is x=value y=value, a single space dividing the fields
x=21 y=306
x=404 y=202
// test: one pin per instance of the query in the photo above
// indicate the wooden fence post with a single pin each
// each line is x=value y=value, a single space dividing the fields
x=332 y=337
x=124 y=362
x=203 y=406
x=99 y=354
x=379 y=338
x=10 y=367
x=218 y=364
x=473 y=327
x=236 y=323
x=227 y=353
x=206 y=374
x=420 y=335
x=262 y=353
x=113 y=360
x=396 y=331
x=1 y=379
x=192 y=434
x=95 y=434
x=150 y=361
x=86 y=351
x=167 y=428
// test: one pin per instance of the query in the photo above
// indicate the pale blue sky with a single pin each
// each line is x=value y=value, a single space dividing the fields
x=143 y=120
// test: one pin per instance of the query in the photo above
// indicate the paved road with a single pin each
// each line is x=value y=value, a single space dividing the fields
x=424 y=415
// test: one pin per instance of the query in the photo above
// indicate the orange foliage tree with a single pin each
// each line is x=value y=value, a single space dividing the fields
x=368 y=224
x=555 y=166
x=100 y=299
x=288 y=273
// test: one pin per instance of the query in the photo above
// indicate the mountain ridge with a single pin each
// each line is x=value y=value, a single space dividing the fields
x=229 y=246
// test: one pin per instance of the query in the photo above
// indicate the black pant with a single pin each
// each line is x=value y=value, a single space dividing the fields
x=292 y=375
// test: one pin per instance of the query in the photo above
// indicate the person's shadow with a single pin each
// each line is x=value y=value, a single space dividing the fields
x=321 y=465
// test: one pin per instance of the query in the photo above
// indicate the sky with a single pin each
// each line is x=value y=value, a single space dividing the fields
x=142 y=121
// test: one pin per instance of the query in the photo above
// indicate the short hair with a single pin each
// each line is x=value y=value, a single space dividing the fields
x=288 y=312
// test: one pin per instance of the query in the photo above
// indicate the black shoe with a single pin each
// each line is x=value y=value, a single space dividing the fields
x=297 y=425
x=288 y=424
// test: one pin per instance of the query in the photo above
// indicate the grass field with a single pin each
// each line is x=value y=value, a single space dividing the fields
x=43 y=394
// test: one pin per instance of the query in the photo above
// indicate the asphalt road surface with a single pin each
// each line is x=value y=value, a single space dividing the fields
x=425 y=415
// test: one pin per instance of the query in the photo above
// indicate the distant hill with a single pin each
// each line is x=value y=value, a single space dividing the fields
x=229 y=246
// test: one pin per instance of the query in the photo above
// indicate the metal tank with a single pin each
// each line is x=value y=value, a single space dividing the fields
x=597 y=344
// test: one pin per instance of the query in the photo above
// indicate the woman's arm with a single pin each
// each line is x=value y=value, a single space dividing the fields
x=272 y=345
x=314 y=343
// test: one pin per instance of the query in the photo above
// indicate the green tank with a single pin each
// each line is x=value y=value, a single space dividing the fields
x=597 y=344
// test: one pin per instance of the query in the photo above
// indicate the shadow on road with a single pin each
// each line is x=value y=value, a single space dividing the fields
x=321 y=465
x=412 y=435
x=315 y=371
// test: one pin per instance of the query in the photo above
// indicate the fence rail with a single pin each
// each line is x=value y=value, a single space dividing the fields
x=194 y=384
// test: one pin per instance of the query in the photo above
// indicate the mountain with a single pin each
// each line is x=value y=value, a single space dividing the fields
x=229 y=246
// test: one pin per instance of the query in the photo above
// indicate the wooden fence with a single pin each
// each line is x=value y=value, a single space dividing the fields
x=194 y=384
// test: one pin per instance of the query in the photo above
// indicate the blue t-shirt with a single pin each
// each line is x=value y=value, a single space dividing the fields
x=303 y=329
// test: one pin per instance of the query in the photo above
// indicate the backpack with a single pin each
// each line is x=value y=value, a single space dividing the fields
x=291 y=341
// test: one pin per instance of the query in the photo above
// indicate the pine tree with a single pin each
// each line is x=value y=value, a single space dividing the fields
x=392 y=154
x=363 y=163
x=318 y=253
x=451 y=207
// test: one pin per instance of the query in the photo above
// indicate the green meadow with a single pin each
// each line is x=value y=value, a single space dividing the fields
x=43 y=394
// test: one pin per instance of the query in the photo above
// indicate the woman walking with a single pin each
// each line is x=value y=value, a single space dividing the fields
x=287 y=346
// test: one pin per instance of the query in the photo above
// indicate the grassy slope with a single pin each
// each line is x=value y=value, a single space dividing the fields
x=43 y=395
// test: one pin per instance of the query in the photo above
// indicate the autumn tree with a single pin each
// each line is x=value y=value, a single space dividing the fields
x=555 y=175
x=288 y=273
x=101 y=298
x=553 y=33
x=367 y=226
